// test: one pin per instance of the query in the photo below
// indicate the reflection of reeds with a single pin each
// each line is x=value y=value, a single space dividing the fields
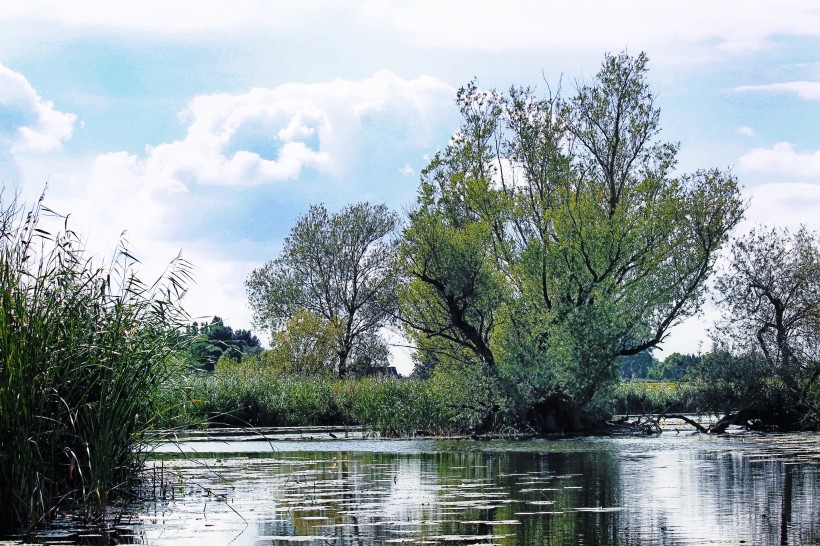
x=82 y=350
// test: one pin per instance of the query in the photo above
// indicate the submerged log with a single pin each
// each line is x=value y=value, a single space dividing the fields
x=743 y=417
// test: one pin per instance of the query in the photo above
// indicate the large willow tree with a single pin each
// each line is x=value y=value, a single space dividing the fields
x=553 y=235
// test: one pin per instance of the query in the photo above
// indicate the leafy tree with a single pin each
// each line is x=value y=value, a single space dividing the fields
x=638 y=366
x=674 y=367
x=453 y=290
x=339 y=267
x=214 y=340
x=306 y=346
x=772 y=294
x=739 y=385
x=553 y=232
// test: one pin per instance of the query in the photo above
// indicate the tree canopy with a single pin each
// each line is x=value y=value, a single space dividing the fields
x=772 y=294
x=339 y=267
x=215 y=340
x=552 y=235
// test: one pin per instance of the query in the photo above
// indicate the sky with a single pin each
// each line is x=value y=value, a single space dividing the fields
x=207 y=127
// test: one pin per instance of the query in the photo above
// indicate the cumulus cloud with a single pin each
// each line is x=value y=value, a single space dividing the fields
x=236 y=144
x=27 y=122
x=746 y=131
x=782 y=160
x=271 y=135
x=804 y=89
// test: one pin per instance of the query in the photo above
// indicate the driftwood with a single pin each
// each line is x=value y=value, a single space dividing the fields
x=685 y=419
x=645 y=424
x=742 y=417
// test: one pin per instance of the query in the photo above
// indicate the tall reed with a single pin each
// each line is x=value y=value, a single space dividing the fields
x=82 y=351
x=252 y=393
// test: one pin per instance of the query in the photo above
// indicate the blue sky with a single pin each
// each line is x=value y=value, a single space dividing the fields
x=209 y=126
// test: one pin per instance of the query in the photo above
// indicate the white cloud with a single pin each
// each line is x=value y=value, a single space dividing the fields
x=787 y=205
x=782 y=160
x=264 y=136
x=27 y=122
x=591 y=23
x=219 y=286
x=269 y=135
x=804 y=89
x=746 y=131
x=480 y=24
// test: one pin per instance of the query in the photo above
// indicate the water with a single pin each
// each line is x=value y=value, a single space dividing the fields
x=673 y=489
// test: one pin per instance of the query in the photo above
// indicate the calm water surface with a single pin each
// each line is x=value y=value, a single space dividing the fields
x=672 y=489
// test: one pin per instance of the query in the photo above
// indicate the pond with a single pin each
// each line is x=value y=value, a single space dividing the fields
x=681 y=488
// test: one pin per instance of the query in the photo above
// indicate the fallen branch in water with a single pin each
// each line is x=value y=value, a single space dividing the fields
x=685 y=419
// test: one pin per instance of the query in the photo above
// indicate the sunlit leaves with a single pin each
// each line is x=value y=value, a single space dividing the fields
x=561 y=221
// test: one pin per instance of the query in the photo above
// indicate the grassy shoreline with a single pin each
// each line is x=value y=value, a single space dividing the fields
x=242 y=395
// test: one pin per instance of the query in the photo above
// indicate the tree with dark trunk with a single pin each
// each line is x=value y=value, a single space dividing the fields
x=551 y=237
x=339 y=267
x=772 y=294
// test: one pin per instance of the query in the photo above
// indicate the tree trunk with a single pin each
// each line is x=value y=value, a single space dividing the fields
x=343 y=363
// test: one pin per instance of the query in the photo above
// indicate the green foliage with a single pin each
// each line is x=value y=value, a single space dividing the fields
x=306 y=346
x=338 y=267
x=550 y=237
x=246 y=394
x=214 y=340
x=639 y=366
x=726 y=383
x=772 y=295
x=639 y=397
x=83 y=352
x=253 y=393
x=674 y=367
x=452 y=291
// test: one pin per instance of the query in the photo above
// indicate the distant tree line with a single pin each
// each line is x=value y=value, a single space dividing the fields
x=212 y=341
x=644 y=365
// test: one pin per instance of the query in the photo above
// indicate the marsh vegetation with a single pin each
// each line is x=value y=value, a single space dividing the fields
x=552 y=247
x=83 y=353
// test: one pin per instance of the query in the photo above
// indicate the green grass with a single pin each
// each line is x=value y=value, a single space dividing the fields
x=638 y=397
x=83 y=351
x=249 y=394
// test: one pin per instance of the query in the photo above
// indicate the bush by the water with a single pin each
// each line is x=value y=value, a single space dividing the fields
x=83 y=350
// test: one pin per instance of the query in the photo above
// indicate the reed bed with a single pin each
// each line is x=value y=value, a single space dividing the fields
x=247 y=394
x=640 y=397
x=83 y=351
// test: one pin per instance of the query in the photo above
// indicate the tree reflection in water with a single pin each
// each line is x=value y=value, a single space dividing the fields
x=667 y=490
